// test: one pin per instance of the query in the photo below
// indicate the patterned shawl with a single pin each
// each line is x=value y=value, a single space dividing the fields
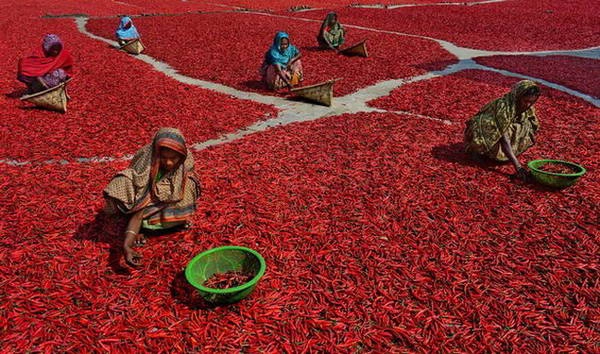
x=486 y=128
x=136 y=187
x=334 y=29
x=42 y=64
x=126 y=33
x=275 y=56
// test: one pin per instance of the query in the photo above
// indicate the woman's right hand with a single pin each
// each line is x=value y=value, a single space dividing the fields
x=132 y=257
x=522 y=174
x=132 y=240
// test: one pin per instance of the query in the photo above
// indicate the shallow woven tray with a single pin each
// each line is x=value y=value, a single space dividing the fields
x=321 y=93
x=133 y=47
x=358 y=49
x=54 y=98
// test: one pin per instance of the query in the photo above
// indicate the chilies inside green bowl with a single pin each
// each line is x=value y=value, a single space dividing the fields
x=553 y=179
x=222 y=260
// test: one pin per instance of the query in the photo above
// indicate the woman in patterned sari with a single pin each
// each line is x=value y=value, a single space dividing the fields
x=158 y=191
x=331 y=34
x=282 y=67
x=505 y=127
x=47 y=69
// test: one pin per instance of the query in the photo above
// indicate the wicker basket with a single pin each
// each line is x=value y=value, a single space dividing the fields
x=321 y=93
x=133 y=47
x=54 y=98
x=359 y=49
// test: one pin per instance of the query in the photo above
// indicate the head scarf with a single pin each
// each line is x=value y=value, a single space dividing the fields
x=331 y=34
x=42 y=64
x=327 y=24
x=129 y=33
x=276 y=56
x=505 y=108
x=139 y=188
x=486 y=128
x=49 y=41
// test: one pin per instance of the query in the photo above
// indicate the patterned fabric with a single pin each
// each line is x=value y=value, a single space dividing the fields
x=168 y=200
x=49 y=41
x=332 y=32
x=54 y=78
x=274 y=81
x=499 y=117
x=124 y=33
x=276 y=56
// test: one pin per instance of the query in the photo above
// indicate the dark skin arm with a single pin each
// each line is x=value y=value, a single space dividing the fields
x=283 y=76
x=133 y=238
x=507 y=149
x=295 y=59
x=39 y=79
x=328 y=44
x=332 y=47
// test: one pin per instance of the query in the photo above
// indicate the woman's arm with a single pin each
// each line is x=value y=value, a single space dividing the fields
x=282 y=75
x=324 y=38
x=295 y=59
x=507 y=149
x=331 y=46
x=131 y=237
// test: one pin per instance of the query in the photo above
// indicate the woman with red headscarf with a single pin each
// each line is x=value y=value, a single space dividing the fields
x=48 y=69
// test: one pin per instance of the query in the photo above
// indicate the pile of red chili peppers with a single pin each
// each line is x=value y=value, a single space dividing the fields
x=379 y=234
x=227 y=280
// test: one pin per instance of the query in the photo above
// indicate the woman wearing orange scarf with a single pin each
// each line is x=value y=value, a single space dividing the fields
x=158 y=191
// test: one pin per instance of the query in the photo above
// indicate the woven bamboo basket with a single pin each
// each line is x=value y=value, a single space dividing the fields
x=321 y=93
x=359 y=49
x=133 y=47
x=54 y=99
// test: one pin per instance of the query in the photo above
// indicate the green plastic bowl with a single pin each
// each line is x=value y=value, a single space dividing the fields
x=555 y=180
x=221 y=260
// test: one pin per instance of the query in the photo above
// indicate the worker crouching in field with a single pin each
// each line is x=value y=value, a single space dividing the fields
x=505 y=127
x=282 y=67
x=157 y=192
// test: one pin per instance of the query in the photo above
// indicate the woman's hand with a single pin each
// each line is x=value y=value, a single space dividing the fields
x=522 y=174
x=133 y=239
x=132 y=257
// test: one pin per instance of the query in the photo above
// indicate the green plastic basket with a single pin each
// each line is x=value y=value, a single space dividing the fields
x=221 y=260
x=552 y=179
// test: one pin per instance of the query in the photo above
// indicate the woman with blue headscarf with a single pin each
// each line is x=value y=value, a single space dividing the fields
x=282 y=67
x=126 y=32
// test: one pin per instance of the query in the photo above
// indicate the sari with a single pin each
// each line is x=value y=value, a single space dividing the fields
x=484 y=131
x=331 y=33
x=167 y=199
x=43 y=71
x=275 y=57
x=126 y=31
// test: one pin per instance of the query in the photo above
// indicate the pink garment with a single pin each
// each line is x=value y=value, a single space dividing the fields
x=274 y=81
